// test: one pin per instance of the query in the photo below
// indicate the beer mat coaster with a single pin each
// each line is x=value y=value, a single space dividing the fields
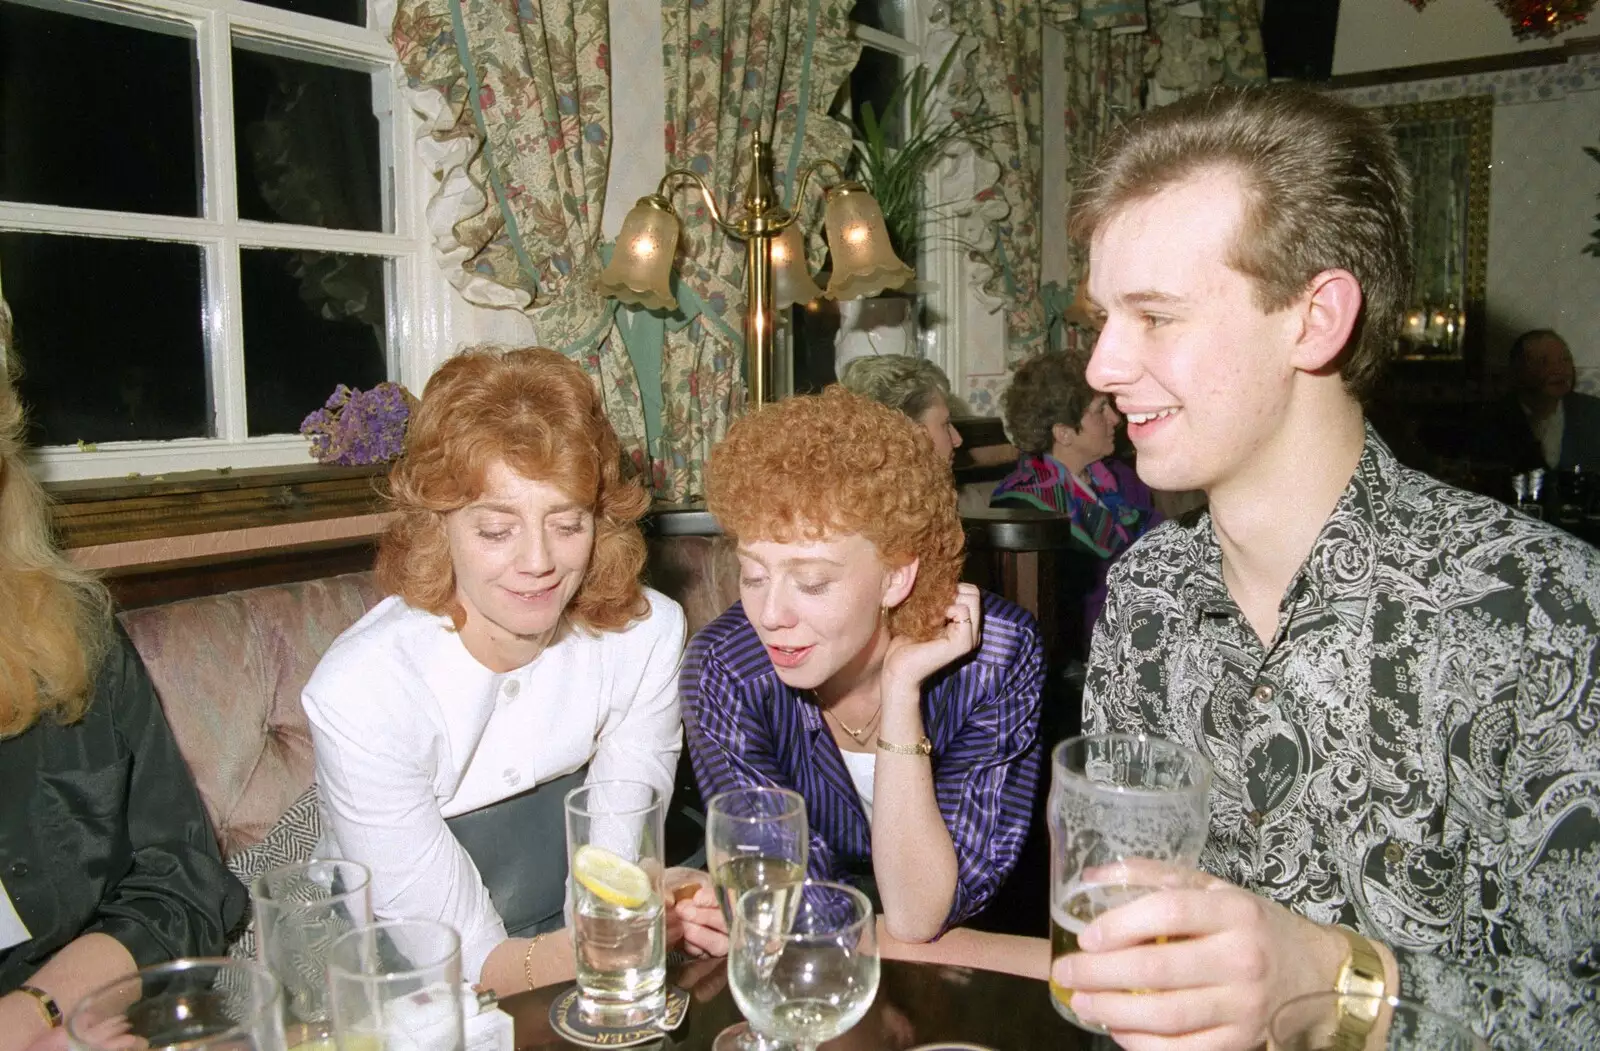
x=566 y=1021
x=946 y=1045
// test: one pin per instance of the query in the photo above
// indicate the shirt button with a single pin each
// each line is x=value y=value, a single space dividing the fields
x=1394 y=853
x=19 y=868
x=1261 y=694
x=1254 y=817
x=510 y=687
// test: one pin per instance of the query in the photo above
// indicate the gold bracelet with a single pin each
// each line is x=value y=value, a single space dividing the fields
x=527 y=957
x=1361 y=975
x=45 y=1003
x=923 y=747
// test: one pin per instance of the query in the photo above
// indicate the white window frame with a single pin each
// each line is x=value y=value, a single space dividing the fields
x=940 y=261
x=415 y=297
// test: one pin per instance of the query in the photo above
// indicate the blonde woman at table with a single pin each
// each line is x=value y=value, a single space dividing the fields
x=855 y=670
x=107 y=860
x=516 y=658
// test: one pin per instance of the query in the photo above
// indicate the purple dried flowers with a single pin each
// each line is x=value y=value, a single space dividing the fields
x=360 y=427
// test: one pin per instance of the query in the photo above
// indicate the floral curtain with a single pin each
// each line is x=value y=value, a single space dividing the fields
x=1118 y=57
x=518 y=108
x=733 y=68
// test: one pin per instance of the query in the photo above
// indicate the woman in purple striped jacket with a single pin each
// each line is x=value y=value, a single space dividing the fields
x=855 y=670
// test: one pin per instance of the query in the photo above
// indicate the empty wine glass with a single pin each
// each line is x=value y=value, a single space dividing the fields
x=755 y=837
x=226 y=1005
x=803 y=961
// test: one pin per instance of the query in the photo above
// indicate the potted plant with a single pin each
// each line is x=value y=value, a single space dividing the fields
x=894 y=175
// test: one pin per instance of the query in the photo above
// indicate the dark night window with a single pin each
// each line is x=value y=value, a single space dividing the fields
x=115 y=131
x=172 y=277
x=131 y=363
x=312 y=320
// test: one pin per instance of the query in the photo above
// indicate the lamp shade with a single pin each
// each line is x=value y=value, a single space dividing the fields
x=864 y=264
x=791 y=280
x=641 y=266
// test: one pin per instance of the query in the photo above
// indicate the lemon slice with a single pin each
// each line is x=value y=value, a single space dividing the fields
x=613 y=880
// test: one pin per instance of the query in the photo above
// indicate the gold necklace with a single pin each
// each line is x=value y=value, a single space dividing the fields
x=859 y=736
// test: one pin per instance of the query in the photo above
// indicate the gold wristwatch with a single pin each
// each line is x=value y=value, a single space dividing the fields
x=923 y=747
x=1361 y=975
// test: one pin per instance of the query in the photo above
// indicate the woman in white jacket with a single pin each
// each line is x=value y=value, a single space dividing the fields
x=516 y=658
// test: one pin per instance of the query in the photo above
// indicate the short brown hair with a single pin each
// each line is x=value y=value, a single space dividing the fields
x=824 y=464
x=538 y=413
x=1045 y=390
x=1324 y=189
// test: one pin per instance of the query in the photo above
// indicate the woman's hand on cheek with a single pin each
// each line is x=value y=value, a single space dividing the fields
x=908 y=663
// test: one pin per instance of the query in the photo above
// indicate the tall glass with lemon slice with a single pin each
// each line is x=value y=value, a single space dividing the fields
x=614 y=865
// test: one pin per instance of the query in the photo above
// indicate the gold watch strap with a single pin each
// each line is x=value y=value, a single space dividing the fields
x=923 y=747
x=47 y=1004
x=1361 y=975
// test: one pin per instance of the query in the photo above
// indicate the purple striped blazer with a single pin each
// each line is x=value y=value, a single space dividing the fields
x=746 y=728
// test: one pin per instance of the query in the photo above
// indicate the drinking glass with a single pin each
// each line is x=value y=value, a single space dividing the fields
x=803 y=961
x=755 y=837
x=1311 y=1023
x=300 y=911
x=396 y=986
x=619 y=933
x=235 y=1005
x=1116 y=798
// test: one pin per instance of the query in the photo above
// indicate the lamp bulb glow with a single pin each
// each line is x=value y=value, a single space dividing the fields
x=644 y=246
x=780 y=252
x=857 y=234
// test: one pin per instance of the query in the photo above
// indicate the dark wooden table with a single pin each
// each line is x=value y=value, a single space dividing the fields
x=917 y=1004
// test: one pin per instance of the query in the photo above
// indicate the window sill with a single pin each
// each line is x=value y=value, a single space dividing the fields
x=91 y=513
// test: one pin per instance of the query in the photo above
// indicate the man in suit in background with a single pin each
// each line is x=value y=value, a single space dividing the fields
x=1550 y=424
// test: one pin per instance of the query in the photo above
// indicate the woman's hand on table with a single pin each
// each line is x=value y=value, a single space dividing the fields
x=694 y=919
x=1229 y=959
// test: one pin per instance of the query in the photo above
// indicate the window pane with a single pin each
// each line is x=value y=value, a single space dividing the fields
x=96 y=115
x=312 y=320
x=873 y=81
x=306 y=140
x=887 y=15
x=110 y=337
x=350 y=12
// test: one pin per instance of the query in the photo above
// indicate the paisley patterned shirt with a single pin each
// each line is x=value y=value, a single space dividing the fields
x=1416 y=754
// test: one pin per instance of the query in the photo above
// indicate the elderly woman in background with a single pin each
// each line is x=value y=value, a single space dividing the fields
x=107 y=859
x=516 y=658
x=916 y=387
x=1066 y=432
x=855 y=670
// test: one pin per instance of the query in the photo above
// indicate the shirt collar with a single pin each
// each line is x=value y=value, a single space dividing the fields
x=1345 y=551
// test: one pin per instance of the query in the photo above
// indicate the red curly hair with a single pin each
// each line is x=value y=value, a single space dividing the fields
x=835 y=463
x=537 y=412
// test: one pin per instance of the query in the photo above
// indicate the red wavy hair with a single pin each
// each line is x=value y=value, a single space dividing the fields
x=822 y=465
x=537 y=412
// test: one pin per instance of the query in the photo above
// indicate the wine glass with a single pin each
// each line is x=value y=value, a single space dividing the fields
x=803 y=961
x=755 y=837
x=1311 y=1023
x=227 y=1005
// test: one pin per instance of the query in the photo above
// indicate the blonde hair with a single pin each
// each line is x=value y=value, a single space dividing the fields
x=55 y=619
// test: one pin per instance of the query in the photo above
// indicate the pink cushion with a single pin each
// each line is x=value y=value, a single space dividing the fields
x=229 y=669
